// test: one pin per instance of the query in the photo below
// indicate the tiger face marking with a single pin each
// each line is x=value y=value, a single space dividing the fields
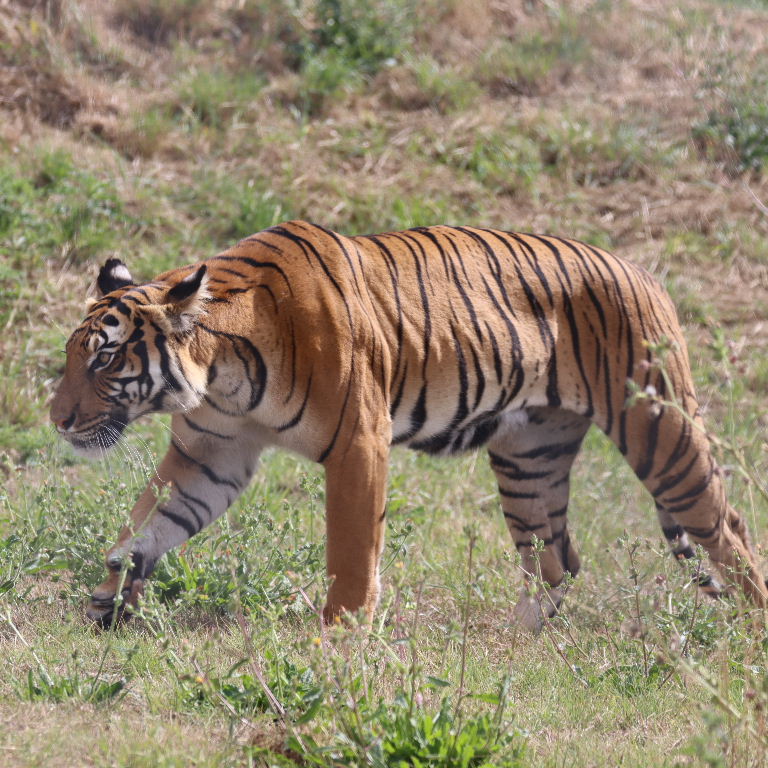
x=125 y=359
x=442 y=339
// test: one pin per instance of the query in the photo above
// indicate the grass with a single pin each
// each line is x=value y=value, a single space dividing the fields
x=160 y=132
x=739 y=132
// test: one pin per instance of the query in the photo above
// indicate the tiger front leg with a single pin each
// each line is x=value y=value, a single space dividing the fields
x=200 y=476
x=355 y=516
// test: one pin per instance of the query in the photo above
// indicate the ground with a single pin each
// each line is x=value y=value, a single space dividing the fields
x=160 y=131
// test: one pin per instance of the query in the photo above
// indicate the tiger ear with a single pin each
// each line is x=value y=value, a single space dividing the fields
x=185 y=301
x=113 y=275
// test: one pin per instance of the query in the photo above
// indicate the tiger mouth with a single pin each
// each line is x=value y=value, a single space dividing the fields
x=101 y=436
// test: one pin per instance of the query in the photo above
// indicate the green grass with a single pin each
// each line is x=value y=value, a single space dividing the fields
x=738 y=131
x=445 y=89
x=217 y=120
x=56 y=205
x=605 y=664
x=210 y=98
x=528 y=64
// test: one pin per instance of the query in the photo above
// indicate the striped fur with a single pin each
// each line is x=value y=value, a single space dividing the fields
x=442 y=339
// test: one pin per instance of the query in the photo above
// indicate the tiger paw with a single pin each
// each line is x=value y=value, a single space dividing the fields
x=105 y=610
x=532 y=610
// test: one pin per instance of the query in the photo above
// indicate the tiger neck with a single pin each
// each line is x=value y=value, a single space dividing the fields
x=228 y=366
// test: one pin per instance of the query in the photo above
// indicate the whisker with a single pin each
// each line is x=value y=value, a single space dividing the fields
x=136 y=435
x=174 y=434
x=182 y=406
x=131 y=452
x=114 y=436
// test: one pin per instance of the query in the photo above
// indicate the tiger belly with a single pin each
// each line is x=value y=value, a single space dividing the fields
x=435 y=425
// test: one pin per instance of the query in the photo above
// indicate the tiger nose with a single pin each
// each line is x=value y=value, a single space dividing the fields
x=65 y=423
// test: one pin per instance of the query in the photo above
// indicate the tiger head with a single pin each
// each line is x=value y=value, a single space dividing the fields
x=131 y=355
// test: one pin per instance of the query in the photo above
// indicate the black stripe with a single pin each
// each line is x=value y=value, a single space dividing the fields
x=198 y=520
x=440 y=441
x=492 y=261
x=680 y=449
x=161 y=344
x=398 y=397
x=297 y=418
x=427 y=331
x=704 y=533
x=621 y=305
x=586 y=282
x=344 y=251
x=608 y=395
x=483 y=433
x=695 y=492
x=517 y=349
x=551 y=452
x=293 y=362
x=180 y=521
x=672 y=480
x=530 y=294
x=229 y=271
x=257 y=238
x=391 y=264
x=533 y=262
x=259 y=380
x=479 y=378
x=324 y=455
x=197 y=428
x=644 y=469
x=120 y=306
x=553 y=396
x=497 y=365
x=452 y=274
x=576 y=344
x=462 y=409
x=308 y=246
x=512 y=470
x=522 y=525
x=517 y=494
x=418 y=416
x=206 y=470
x=257 y=265
x=194 y=500
x=673 y=533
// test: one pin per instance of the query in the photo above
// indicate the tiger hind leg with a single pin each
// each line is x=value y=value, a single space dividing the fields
x=532 y=460
x=672 y=457
x=683 y=551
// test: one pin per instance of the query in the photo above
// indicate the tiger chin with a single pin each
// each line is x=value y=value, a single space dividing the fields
x=442 y=339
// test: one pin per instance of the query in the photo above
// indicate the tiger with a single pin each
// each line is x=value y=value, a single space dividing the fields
x=442 y=339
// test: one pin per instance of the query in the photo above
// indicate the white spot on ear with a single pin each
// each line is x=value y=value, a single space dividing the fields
x=120 y=272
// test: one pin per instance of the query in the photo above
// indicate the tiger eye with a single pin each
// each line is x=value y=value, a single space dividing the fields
x=103 y=358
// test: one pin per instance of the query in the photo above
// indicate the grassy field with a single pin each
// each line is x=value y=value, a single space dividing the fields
x=160 y=131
